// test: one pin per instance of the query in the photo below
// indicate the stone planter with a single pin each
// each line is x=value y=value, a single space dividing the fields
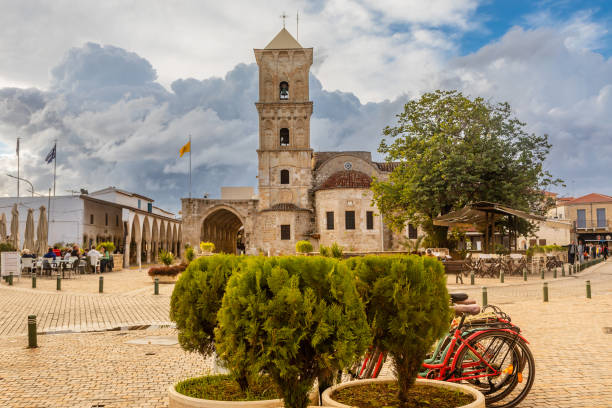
x=166 y=278
x=178 y=400
x=479 y=401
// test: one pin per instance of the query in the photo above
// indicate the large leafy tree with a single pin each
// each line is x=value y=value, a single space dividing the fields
x=454 y=150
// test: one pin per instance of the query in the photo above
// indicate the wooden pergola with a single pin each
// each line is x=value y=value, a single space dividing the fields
x=484 y=214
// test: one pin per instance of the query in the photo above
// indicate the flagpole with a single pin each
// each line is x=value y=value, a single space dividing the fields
x=54 y=166
x=189 y=166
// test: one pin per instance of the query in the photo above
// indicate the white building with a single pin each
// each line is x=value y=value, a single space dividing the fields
x=110 y=214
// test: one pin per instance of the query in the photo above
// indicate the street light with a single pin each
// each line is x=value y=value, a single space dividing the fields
x=22 y=179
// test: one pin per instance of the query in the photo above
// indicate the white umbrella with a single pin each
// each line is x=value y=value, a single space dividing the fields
x=2 y=227
x=41 y=232
x=14 y=240
x=29 y=231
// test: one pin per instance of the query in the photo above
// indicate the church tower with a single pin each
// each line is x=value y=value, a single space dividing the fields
x=285 y=156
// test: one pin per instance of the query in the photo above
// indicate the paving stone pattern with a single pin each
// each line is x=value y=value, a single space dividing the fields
x=567 y=336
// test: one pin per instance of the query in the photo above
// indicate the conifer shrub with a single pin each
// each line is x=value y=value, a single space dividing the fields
x=303 y=247
x=292 y=318
x=196 y=299
x=407 y=307
x=189 y=253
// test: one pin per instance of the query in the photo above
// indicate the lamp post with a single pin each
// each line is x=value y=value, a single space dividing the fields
x=22 y=179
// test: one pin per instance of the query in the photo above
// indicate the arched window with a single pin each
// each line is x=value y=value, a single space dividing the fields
x=284 y=90
x=284 y=137
x=284 y=176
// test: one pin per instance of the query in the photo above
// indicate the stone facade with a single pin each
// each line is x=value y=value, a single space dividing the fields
x=296 y=186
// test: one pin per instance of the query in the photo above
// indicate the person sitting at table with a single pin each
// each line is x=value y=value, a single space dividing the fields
x=104 y=260
x=75 y=251
x=27 y=254
x=67 y=255
x=50 y=254
x=94 y=256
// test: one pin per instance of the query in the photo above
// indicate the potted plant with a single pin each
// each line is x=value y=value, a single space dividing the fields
x=207 y=247
x=194 y=305
x=303 y=247
x=407 y=310
x=167 y=273
x=291 y=318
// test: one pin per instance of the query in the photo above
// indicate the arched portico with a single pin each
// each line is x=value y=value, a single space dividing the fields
x=221 y=226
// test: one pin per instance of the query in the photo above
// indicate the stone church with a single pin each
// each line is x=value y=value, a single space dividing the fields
x=323 y=197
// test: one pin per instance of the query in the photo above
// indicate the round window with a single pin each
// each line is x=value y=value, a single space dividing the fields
x=348 y=165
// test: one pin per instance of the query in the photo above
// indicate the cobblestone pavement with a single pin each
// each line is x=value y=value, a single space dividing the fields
x=573 y=353
x=127 y=300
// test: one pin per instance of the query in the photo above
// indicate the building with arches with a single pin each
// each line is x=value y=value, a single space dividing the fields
x=323 y=197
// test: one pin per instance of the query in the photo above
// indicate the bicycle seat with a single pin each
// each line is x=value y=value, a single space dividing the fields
x=457 y=297
x=467 y=309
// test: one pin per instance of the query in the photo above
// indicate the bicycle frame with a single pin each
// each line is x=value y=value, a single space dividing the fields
x=458 y=342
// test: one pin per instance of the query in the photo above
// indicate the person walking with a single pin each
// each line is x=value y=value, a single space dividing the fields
x=605 y=252
x=571 y=252
x=580 y=252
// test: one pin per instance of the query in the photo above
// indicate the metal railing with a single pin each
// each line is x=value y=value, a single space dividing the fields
x=593 y=225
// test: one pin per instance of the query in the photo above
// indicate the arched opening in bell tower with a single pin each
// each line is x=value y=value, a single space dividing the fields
x=284 y=90
x=284 y=137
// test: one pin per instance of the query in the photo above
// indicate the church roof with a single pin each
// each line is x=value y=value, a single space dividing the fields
x=285 y=207
x=387 y=166
x=283 y=41
x=346 y=179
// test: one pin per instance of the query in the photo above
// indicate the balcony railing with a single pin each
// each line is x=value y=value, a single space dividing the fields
x=593 y=225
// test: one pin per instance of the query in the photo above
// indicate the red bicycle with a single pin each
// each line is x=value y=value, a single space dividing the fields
x=482 y=348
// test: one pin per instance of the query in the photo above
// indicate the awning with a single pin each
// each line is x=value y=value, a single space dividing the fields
x=476 y=213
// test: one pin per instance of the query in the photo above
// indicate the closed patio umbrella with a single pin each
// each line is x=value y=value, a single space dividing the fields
x=2 y=227
x=29 y=231
x=14 y=240
x=41 y=232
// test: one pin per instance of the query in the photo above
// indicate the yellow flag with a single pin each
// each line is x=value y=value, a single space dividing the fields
x=185 y=149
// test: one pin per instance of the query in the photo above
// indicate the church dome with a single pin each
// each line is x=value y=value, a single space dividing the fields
x=346 y=179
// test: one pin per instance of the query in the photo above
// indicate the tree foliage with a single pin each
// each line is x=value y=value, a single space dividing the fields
x=454 y=150
x=407 y=308
x=293 y=318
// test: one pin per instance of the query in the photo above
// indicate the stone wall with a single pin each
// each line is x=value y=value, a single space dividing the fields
x=113 y=230
x=269 y=231
x=339 y=201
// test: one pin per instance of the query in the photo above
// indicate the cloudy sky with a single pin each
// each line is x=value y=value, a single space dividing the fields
x=120 y=84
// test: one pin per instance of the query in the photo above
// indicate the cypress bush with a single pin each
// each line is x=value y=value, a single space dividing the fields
x=303 y=247
x=294 y=318
x=196 y=299
x=407 y=307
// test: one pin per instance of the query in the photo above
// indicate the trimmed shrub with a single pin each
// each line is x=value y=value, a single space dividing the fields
x=189 y=254
x=172 y=270
x=196 y=299
x=166 y=257
x=325 y=251
x=303 y=247
x=109 y=246
x=294 y=318
x=335 y=251
x=407 y=307
x=207 y=246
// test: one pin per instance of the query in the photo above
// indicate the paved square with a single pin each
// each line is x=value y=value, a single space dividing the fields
x=567 y=335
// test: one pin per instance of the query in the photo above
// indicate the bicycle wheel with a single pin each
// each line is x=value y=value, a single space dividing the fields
x=502 y=368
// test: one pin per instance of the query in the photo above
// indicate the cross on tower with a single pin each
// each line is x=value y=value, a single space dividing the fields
x=284 y=16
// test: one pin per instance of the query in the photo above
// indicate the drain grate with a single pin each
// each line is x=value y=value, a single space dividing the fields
x=607 y=330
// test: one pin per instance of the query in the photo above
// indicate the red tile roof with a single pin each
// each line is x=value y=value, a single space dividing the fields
x=346 y=179
x=387 y=166
x=591 y=198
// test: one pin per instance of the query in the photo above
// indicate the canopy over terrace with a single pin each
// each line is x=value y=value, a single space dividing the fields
x=483 y=214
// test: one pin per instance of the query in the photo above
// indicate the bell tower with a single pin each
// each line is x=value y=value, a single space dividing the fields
x=284 y=172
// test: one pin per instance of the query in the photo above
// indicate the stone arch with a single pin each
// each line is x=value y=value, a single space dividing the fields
x=162 y=234
x=146 y=240
x=169 y=237
x=173 y=227
x=180 y=241
x=154 y=239
x=135 y=243
x=220 y=225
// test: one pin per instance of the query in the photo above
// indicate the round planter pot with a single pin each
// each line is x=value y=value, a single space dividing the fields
x=178 y=400
x=166 y=278
x=479 y=400
x=182 y=401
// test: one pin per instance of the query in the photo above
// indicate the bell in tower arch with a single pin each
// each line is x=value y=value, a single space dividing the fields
x=284 y=91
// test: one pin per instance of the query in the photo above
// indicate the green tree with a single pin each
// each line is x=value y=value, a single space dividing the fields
x=454 y=150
